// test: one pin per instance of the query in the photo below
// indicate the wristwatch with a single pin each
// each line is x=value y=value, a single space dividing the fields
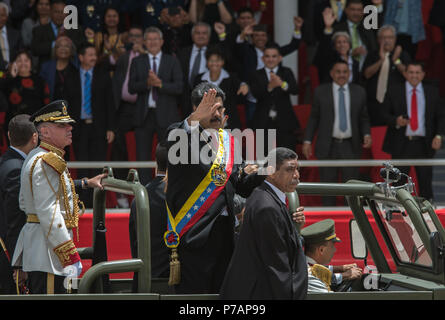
x=84 y=183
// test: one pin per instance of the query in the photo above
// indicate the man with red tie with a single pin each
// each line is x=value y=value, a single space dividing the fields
x=415 y=116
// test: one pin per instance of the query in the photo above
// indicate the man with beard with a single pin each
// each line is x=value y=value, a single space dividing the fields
x=200 y=194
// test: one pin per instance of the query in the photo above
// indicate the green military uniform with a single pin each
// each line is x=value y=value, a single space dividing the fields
x=320 y=276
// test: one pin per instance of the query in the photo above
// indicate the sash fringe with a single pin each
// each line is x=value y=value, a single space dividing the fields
x=175 y=268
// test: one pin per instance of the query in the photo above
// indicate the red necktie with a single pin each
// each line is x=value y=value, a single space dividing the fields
x=287 y=203
x=414 y=122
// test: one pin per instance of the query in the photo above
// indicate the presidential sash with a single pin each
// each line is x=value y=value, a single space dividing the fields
x=204 y=195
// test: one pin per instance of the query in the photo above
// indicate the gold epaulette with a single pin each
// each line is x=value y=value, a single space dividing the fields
x=322 y=273
x=55 y=162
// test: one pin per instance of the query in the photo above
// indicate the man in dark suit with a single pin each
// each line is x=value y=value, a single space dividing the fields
x=340 y=116
x=251 y=54
x=415 y=117
x=200 y=193
x=124 y=101
x=381 y=69
x=23 y=138
x=92 y=107
x=44 y=36
x=272 y=87
x=157 y=79
x=158 y=220
x=10 y=39
x=269 y=262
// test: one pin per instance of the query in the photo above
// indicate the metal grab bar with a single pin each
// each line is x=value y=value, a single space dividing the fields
x=303 y=163
x=96 y=271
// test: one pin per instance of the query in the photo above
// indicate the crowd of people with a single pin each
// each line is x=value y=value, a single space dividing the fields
x=101 y=69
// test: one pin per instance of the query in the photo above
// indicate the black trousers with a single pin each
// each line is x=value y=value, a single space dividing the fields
x=125 y=123
x=144 y=143
x=339 y=150
x=203 y=269
x=7 y=285
x=417 y=149
x=88 y=145
x=41 y=282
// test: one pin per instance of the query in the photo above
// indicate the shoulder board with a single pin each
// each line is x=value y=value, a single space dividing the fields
x=54 y=161
x=322 y=273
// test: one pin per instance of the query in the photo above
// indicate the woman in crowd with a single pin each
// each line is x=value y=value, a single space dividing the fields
x=110 y=42
x=26 y=91
x=54 y=71
x=331 y=49
x=229 y=83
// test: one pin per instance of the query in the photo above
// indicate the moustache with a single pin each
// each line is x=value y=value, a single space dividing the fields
x=215 y=120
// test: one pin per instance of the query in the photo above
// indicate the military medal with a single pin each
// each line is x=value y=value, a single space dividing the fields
x=150 y=9
x=171 y=239
x=90 y=10
x=219 y=175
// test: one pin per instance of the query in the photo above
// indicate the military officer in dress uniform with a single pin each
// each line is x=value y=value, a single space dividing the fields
x=319 y=247
x=45 y=247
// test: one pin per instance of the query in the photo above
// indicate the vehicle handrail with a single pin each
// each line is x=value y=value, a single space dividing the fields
x=107 y=267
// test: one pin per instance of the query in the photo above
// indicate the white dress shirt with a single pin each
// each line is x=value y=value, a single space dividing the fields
x=420 y=109
x=336 y=132
x=281 y=195
x=203 y=64
x=151 y=102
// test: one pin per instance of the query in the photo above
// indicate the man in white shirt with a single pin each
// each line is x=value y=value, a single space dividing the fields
x=157 y=79
x=340 y=116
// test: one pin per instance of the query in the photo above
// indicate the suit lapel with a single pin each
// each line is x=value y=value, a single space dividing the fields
x=284 y=212
x=428 y=111
x=161 y=66
x=331 y=106
x=404 y=105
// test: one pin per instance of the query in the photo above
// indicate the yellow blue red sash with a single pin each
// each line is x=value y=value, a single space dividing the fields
x=204 y=195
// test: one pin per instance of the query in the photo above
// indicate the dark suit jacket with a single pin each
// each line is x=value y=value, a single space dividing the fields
x=12 y=219
x=248 y=56
x=322 y=119
x=395 y=104
x=119 y=75
x=327 y=56
x=158 y=226
x=43 y=36
x=102 y=103
x=184 y=56
x=268 y=261
x=48 y=72
x=287 y=121
x=15 y=44
x=170 y=72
